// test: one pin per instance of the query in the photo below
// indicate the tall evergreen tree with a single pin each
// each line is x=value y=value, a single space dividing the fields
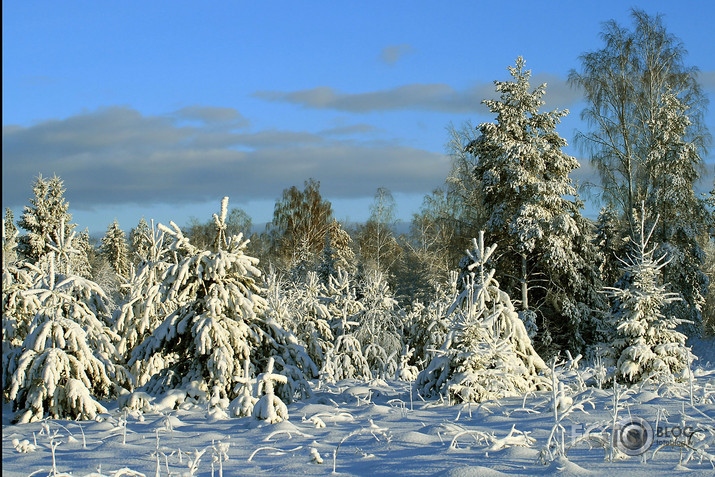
x=115 y=249
x=82 y=260
x=140 y=242
x=610 y=244
x=533 y=211
x=41 y=219
x=337 y=253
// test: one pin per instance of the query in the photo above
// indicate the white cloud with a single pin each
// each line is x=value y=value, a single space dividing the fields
x=437 y=97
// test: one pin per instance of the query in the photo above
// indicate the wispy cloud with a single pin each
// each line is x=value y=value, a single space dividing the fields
x=213 y=115
x=118 y=156
x=354 y=129
x=392 y=54
x=438 y=97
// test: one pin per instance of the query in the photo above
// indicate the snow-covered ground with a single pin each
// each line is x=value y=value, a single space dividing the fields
x=356 y=428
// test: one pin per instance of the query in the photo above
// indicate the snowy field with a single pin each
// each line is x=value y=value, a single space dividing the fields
x=377 y=428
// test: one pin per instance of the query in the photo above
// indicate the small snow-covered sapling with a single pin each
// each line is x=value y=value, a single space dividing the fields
x=220 y=454
x=243 y=404
x=270 y=407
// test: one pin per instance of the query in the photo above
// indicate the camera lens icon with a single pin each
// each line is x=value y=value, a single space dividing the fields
x=633 y=436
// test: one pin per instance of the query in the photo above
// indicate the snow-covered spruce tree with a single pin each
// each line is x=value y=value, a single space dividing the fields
x=311 y=317
x=487 y=353
x=82 y=260
x=337 y=253
x=115 y=250
x=67 y=360
x=144 y=307
x=533 y=211
x=15 y=278
x=343 y=304
x=426 y=326
x=344 y=360
x=279 y=302
x=43 y=216
x=140 y=242
x=269 y=407
x=18 y=308
x=219 y=322
x=610 y=245
x=380 y=328
x=301 y=308
x=645 y=343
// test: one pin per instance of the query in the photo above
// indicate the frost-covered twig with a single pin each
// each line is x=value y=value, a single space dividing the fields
x=285 y=431
x=478 y=436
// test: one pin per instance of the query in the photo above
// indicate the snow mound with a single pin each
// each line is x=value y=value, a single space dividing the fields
x=414 y=437
x=470 y=471
x=168 y=423
x=564 y=467
x=647 y=396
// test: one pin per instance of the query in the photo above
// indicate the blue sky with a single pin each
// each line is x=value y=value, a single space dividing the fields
x=159 y=109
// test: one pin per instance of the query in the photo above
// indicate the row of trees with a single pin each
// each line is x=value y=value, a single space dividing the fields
x=311 y=297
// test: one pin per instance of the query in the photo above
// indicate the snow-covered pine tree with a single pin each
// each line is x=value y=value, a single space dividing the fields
x=82 y=260
x=279 y=303
x=144 y=307
x=43 y=216
x=242 y=405
x=140 y=242
x=380 y=329
x=343 y=304
x=427 y=326
x=645 y=343
x=18 y=308
x=610 y=245
x=269 y=407
x=337 y=253
x=219 y=321
x=487 y=353
x=533 y=210
x=67 y=361
x=115 y=250
x=311 y=317
x=345 y=359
